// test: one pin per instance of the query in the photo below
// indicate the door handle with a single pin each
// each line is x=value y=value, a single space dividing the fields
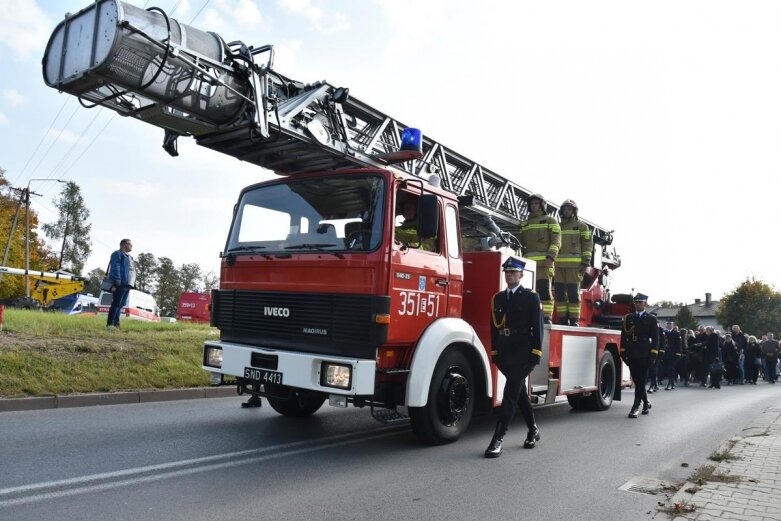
x=442 y=282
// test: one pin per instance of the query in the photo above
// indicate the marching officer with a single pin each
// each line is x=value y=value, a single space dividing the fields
x=655 y=369
x=516 y=338
x=639 y=346
x=540 y=242
x=673 y=353
x=573 y=259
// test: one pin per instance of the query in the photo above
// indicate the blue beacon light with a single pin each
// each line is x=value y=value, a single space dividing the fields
x=411 y=139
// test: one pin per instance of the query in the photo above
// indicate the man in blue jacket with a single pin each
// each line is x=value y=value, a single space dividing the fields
x=122 y=274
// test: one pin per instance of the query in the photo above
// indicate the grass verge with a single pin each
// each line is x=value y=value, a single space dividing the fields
x=44 y=354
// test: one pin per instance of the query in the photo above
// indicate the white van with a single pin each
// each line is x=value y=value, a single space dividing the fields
x=75 y=304
x=140 y=306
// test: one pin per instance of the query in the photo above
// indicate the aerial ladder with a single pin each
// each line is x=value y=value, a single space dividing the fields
x=227 y=95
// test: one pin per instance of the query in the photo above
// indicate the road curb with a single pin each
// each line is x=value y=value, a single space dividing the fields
x=119 y=398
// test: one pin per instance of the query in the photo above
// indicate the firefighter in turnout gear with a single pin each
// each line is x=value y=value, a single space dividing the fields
x=573 y=259
x=639 y=347
x=516 y=339
x=540 y=242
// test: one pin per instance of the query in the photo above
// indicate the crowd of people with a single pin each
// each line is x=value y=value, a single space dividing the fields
x=710 y=358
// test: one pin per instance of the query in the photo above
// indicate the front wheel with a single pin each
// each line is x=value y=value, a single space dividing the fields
x=451 y=401
x=575 y=401
x=602 y=399
x=301 y=403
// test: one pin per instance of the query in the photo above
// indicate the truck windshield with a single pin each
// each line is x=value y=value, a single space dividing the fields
x=340 y=213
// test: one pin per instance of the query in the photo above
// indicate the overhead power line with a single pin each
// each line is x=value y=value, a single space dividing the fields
x=51 y=126
x=199 y=11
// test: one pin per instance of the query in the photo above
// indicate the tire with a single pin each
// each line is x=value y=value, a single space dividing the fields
x=575 y=401
x=300 y=404
x=602 y=399
x=451 y=401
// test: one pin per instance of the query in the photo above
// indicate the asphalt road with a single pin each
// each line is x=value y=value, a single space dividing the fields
x=211 y=460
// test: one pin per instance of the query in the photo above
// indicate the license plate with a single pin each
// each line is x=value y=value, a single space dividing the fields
x=263 y=376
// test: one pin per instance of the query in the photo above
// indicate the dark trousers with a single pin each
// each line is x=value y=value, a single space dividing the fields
x=638 y=368
x=672 y=366
x=770 y=369
x=752 y=369
x=118 y=301
x=516 y=396
x=652 y=374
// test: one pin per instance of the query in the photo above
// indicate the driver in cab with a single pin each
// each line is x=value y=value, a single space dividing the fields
x=406 y=231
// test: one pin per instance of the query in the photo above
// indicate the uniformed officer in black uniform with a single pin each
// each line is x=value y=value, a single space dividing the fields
x=672 y=354
x=639 y=346
x=516 y=339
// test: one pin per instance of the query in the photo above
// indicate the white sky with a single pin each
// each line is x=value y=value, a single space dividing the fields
x=661 y=119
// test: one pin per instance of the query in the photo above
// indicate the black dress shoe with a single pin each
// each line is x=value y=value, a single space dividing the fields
x=494 y=449
x=254 y=401
x=647 y=408
x=532 y=438
x=633 y=413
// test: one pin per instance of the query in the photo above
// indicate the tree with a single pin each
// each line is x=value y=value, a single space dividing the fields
x=668 y=304
x=94 y=278
x=146 y=272
x=40 y=256
x=685 y=319
x=72 y=228
x=210 y=282
x=168 y=287
x=190 y=276
x=753 y=305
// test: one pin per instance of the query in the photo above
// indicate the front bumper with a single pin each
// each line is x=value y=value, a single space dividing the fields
x=299 y=370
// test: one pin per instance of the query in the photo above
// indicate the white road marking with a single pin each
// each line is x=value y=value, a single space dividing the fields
x=30 y=495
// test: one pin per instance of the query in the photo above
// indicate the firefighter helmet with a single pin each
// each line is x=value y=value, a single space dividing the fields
x=539 y=197
x=571 y=203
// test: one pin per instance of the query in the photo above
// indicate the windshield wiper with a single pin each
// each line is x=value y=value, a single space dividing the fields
x=246 y=248
x=315 y=246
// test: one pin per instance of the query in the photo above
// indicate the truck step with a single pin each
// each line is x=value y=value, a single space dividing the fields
x=389 y=416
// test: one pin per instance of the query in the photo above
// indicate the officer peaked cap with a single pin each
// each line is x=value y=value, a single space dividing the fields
x=513 y=264
x=640 y=298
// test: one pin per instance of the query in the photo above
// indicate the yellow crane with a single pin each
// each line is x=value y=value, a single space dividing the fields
x=47 y=285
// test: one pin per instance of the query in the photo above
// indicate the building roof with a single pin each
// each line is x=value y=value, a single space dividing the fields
x=698 y=310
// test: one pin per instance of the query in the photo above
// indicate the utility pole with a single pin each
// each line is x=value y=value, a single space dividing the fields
x=13 y=224
x=27 y=234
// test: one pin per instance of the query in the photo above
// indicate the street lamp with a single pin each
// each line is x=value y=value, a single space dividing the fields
x=27 y=232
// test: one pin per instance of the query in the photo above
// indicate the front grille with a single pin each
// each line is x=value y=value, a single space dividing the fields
x=323 y=323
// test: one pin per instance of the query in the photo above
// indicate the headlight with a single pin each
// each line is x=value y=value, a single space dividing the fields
x=336 y=375
x=212 y=356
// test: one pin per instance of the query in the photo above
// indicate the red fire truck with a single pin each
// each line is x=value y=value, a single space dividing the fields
x=194 y=307
x=320 y=298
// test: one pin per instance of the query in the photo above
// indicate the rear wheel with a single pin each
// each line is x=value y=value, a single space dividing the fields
x=301 y=403
x=602 y=399
x=451 y=401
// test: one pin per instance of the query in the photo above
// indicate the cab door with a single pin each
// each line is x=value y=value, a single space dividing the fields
x=419 y=278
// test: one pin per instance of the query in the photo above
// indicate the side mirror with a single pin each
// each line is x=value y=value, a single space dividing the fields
x=428 y=212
